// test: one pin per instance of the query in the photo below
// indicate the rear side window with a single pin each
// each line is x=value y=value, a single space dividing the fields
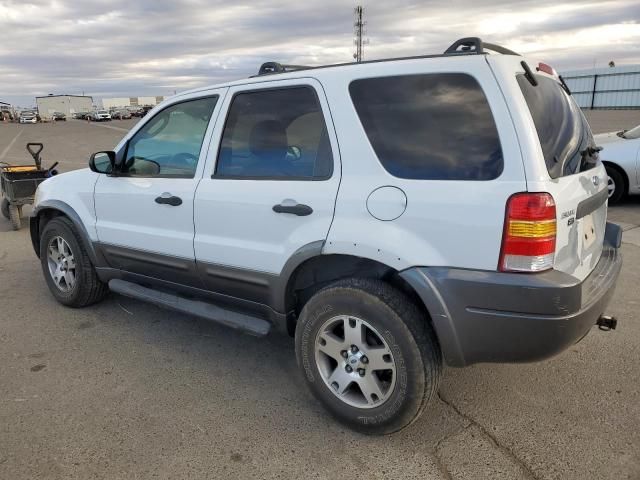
x=430 y=127
x=562 y=129
x=277 y=134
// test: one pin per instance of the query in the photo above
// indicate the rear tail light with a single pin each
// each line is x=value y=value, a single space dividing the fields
x=529 y=237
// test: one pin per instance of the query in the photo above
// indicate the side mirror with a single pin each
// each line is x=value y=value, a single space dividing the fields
x=102 y=162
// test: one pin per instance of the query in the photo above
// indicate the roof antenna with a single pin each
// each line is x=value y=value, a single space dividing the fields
x=359 y=32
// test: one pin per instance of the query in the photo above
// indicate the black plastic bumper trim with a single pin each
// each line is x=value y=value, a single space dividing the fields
x=483 y=316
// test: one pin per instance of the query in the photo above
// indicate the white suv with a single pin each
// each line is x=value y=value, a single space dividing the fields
x=393 y=216
x=101 y=116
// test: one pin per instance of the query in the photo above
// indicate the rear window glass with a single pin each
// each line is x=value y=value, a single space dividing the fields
x=562 y=129
x=430 y=127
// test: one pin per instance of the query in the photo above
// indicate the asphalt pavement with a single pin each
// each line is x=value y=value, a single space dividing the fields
x=126 y=390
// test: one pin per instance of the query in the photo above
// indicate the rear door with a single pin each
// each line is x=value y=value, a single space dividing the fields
x=561 y=160
x=270 y=185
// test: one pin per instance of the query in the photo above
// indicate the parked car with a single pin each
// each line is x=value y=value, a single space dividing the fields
x=58 y=117
x=463 y=219
x=101 y=116
x=28 y=117
x=121 y=114
x=621 y=158
x=137 y=112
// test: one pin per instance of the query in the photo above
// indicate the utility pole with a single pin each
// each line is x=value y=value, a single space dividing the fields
x=359 y=33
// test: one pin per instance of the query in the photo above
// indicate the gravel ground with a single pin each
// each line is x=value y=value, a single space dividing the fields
x=126 y=390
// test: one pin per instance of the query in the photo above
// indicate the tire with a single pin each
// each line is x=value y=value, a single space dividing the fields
x=14 y=216
x=4 y=207
x=616 y=180
x=85 y=287
x=392 y=323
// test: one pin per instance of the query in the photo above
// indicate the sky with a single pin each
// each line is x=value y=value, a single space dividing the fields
x=111 y=48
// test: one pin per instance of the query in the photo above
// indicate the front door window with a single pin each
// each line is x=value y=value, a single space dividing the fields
x=169 y=144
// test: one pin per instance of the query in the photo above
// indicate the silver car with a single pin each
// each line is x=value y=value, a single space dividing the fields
x=621 y=157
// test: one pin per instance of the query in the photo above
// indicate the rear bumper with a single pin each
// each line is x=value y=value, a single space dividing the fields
x=482 y=316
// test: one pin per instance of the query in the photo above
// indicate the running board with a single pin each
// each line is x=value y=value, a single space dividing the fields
x=247 y=323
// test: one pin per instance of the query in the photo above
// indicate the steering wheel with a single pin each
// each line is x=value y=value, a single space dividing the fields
x=141 y=163
x=185 y=157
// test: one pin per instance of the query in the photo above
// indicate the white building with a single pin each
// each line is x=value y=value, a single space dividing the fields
x=67 y=104
x=122 y=102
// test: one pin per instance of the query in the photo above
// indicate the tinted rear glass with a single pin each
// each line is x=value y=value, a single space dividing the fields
x=430 y=127
x=562 y=129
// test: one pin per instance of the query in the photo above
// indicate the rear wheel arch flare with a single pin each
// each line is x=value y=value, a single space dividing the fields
x=318 y=271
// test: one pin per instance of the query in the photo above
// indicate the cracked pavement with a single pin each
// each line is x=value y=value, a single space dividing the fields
x=127 y=390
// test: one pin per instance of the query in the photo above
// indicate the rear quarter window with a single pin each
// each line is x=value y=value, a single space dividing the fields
x=562 y=130
x=430 y=127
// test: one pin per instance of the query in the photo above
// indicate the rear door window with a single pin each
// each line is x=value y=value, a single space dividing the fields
x=563 y=131
x=275 y=134
x=430 y=127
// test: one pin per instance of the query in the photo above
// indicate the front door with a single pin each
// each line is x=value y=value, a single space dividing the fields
x=270 y=186
x=145 y=210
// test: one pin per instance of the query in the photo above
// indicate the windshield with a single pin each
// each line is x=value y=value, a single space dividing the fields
x=102 y=111
x=633 y=133
x=563 y=131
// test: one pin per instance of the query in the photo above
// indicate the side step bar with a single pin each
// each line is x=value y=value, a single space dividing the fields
x=247 y=323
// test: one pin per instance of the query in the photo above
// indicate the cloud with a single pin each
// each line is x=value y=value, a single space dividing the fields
x=153 y=47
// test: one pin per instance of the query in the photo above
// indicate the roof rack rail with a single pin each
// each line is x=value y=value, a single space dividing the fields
x=275 y=67
x=463 y=46
x=471 y=45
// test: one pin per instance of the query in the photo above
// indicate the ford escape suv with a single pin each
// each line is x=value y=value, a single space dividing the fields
x=393 y=216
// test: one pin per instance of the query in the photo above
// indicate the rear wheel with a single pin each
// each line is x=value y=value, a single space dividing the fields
x=615 y=185
x=68 y=271
x=368 y=354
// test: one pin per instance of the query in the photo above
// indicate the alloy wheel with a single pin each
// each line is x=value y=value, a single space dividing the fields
x=62 y=264
x=611 y=186
x=355 y=361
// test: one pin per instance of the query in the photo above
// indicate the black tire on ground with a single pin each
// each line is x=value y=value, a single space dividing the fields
x=619 y=183
x=5 y=208
x=403 y=327
x=14 y=216
x=88 y=288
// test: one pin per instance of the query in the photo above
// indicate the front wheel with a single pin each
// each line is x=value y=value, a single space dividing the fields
x=67 y=268
x=368 y=354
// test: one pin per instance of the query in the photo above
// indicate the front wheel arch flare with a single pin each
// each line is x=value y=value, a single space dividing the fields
x=47 y=211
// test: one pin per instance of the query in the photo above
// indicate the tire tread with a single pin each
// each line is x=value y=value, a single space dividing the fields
x=14 y=216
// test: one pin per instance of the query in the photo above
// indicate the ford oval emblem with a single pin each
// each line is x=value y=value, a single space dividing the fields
x=596 y=180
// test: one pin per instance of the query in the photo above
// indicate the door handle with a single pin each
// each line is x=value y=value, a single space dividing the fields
x=298 y=209
x=168 y=199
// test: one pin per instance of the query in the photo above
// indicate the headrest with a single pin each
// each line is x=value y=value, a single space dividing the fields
x=269 y=137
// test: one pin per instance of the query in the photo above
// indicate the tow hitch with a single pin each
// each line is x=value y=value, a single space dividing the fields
x=606 y=323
